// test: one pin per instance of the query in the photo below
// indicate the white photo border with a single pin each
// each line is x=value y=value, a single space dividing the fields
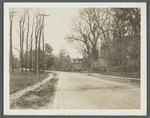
x=142 y=111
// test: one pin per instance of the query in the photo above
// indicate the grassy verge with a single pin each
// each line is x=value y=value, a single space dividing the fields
x=38 y=97
x=122 y=74
x=119 y=74
x=20 y=81
x=55 y=74
x=119 y=79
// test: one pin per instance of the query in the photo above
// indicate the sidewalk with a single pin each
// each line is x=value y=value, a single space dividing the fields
x=19 y=93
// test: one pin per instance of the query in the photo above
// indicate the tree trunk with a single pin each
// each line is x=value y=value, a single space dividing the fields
x=11 y=52
x=39 y=49
x=31 y=56
x=20 y=46
x=35 y=61
x=109 y=41
x=27 y=45
x=43 y=51
x=94 y=53
x=26 y=55
x=22 y=53
x=41 y=27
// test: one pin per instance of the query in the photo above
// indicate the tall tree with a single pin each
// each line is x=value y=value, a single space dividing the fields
x=36 y=40
x=40 y=35
x=61 y=56
x=11 y=15
x=44 y=54
x=88 y=28
x=22 y=35
x=31 y=43
x=27 y=35
x=41 y=29
x=127 y=24
x=48 y=54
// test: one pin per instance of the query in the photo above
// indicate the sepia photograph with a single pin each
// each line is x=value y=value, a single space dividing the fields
x=75 y=59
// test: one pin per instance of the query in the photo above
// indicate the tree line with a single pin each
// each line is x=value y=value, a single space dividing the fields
x=33 y=51
x=107 y=37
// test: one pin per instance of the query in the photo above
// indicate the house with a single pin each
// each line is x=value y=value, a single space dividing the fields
x=77 y=64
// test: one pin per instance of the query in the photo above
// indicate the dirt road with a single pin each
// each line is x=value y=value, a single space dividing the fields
x=79 y=91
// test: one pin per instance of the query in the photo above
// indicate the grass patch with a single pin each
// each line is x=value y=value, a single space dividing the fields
x=119 y=74
x=20 y=80
x=38 y=97
x=119 y=78
x=55 y=74
x=123 y=74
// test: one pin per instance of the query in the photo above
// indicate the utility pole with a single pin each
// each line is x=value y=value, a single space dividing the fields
x=42 y=25
x=11 y=15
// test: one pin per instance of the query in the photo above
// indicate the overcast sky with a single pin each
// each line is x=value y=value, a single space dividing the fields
x=57 y=27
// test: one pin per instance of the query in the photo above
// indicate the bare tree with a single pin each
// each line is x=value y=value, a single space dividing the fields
x=88 y=29
x=22 y=35
x=39 y=38
x=36 y=40
x=44 y=53
x=31 y=43
x=41 y=35
x=27 y=35
x=11 y=15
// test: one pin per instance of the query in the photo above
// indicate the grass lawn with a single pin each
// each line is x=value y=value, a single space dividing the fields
x=20 y=81
x=38 y=98
x=121 y=74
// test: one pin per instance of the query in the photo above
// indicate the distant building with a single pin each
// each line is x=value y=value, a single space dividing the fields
x=68 y=58
x=70 y=64
x=77 y=64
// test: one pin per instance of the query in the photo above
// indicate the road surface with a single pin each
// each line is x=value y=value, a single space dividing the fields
x=79 y=91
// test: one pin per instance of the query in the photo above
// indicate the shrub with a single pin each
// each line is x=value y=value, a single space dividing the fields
x=133 y=66
x=98 y=65
x=116 y=69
